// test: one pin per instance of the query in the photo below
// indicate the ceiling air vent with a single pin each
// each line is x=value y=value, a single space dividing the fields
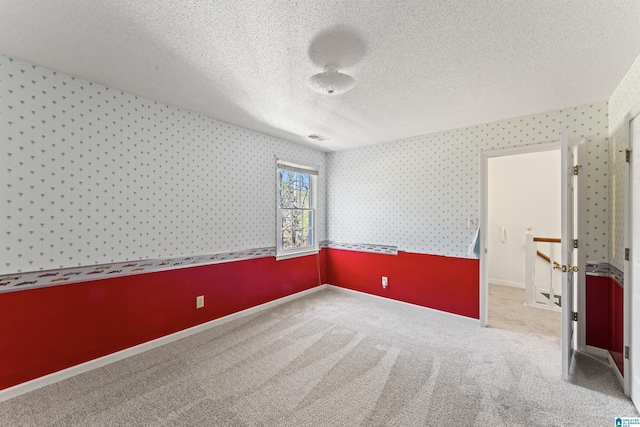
x=317 y=137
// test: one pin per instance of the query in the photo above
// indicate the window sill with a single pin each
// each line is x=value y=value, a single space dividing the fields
x=297 y=254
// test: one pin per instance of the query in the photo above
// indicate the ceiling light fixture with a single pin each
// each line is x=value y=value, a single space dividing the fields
x=331 y=82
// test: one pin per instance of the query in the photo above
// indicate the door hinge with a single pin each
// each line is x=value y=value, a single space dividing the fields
x=626 y=254
x=626 y=351
x=576 y=168
x=627 y=155
x=575 y=316
x=575 y=243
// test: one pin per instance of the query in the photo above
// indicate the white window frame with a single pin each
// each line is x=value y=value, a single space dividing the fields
x=313 y=175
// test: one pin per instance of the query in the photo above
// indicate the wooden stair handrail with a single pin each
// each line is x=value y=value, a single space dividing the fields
x=546 y=258
x=547 y=239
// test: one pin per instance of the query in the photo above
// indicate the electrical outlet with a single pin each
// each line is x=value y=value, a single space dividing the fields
x=200 y=301
x=385 y=282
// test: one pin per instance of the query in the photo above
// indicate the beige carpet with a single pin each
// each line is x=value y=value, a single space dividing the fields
x=335 y=359
x=507 y=311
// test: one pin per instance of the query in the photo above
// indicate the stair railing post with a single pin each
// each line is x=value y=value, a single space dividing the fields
x=552 y=292
x=530 y=269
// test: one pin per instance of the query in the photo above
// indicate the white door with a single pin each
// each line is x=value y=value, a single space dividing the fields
x=632 y=284
x=568 y=254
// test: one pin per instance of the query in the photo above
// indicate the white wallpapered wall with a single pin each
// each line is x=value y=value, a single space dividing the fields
x=625 y=98
x=93 y=175
x=417 y=193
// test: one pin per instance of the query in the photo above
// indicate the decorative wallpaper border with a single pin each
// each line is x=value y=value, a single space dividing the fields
x=63 y=276
x=604 y=269
x=360 y=247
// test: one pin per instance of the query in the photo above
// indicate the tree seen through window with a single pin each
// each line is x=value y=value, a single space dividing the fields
x=296 y=213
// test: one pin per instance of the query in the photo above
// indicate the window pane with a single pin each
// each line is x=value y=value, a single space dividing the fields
x=300 y=238
x=287 y=189
x=286 y=242
x=297 y=228
x=302 y=185
x=294 y=189
x=297 y=218
x=286 y=216
x=303 y=218
x=307 y=219
x=302 y=199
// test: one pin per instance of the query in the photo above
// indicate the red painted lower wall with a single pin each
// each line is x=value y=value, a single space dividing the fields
x=604 y=317
x=443 y=283
x=598 y=304
x=48 y=329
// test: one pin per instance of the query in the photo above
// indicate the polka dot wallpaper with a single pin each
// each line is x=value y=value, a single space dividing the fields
x=417 y=193
x=624 y=99
x=92 y=175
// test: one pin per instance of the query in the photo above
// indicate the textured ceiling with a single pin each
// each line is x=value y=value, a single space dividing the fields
x=420 y=66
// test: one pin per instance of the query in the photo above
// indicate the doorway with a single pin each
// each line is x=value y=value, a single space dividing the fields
x=523 y=238
x=572 y=153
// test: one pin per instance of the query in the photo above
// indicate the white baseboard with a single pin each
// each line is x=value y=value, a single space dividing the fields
x=72 y=371
x=507 y=283
x=596 y=351
x=431 y=310
x=544 y=306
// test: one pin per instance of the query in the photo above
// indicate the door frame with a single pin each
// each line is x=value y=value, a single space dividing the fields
x=484 y=225
x=629 y=223
x=581 y=208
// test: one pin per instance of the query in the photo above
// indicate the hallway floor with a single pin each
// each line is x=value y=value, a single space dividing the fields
x=507 y=311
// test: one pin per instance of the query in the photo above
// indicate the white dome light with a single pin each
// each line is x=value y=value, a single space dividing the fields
x=331 y=82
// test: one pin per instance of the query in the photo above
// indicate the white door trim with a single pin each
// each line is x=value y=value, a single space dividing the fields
x=629 y=224
x=581 y=208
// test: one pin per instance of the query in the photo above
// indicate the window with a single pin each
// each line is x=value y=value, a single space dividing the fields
x=295 y=210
